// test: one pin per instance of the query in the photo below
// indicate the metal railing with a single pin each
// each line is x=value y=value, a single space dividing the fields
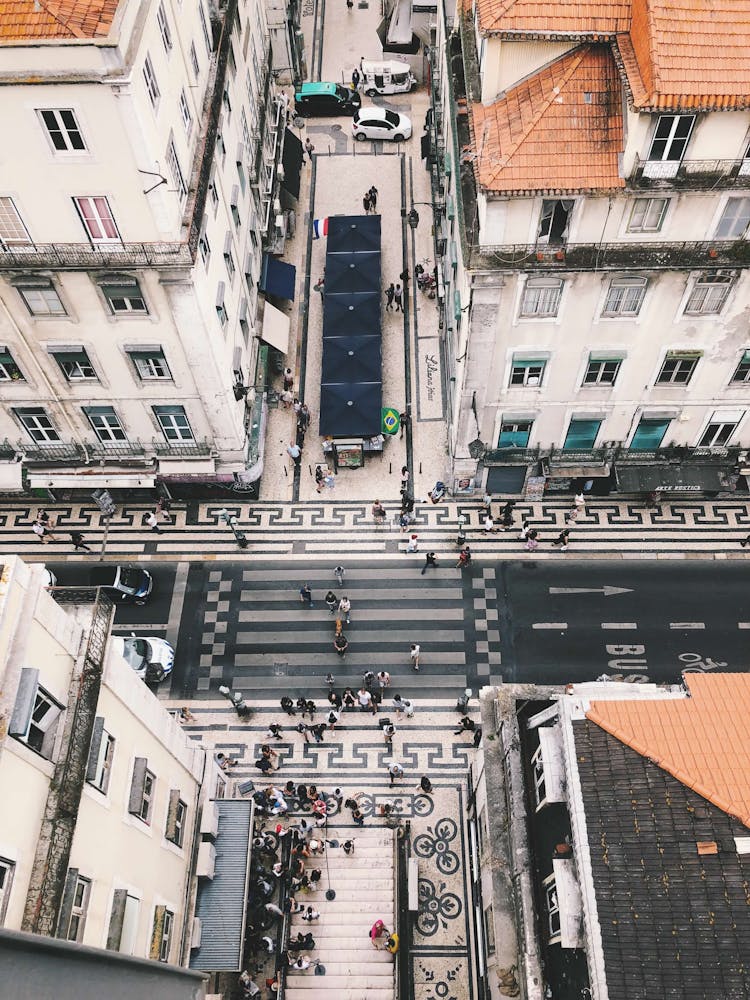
x=89 y=256
x=403 y=982
x=690 y=173
x=189 y=449
x=71 y=452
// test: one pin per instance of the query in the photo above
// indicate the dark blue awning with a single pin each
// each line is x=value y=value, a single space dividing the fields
x=278 y=278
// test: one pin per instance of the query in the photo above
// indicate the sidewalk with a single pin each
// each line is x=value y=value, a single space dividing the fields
x=328 y=530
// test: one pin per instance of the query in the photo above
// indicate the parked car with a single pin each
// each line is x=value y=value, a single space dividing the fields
x=387 y=77
x=326 y=99
x=130 y=583
x=151 y=658
x=379 y=123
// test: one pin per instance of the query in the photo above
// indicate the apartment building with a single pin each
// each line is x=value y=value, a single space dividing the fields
x=102 y=789
x=591 y=175
x=140 y=203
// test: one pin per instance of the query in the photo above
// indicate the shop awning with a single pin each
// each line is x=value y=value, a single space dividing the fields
x=577 y=470
x=277 y=278
x=353 y=233
x=291 y=160
x=669 y=478
x=275 y=330
x=94 y=481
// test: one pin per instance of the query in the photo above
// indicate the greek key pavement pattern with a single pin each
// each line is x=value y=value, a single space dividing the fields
x=316 y=530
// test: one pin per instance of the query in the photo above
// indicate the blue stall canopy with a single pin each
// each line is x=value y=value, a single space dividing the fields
x=350 y=409
x=352 y=272
x=348 y=313
x=352 y=359
x=277 y=278
x=353 y=233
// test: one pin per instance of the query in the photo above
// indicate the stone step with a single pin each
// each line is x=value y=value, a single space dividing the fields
x=351 y=970
x=345 y=925
x=357 y=948
x=309 y=981
x=346 y=895
x=314 y=990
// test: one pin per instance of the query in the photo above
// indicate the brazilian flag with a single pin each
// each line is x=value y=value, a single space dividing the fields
x=390 y=420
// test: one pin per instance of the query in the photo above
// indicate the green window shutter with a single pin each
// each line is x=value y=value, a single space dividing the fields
x=581 y=434
x=450 y=208
x=24 y=704
x=116 y=919
x=66 y=905
x=157 y=933
x=448 y=166
x=457 y=305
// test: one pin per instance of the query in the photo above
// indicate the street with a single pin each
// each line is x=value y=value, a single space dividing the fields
x=517 y=621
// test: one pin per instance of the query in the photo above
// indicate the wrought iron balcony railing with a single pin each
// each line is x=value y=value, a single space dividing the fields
x=73 y=453
x=690 y=173
x=85 y=256
x=184 y=449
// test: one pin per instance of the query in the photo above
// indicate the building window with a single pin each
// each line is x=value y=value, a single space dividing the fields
x=124 y=298
x=227 y=104
x=97 y=219
x=554 y=221
x=75 y=365
x=213 y=190
x=717 y=434
x=174 y=423
x=221 y=309
x=101 y=755
x=164 y=31
x=489 y=930
x=105 y=423
x=9 y=370
x=176 y=170
x=194 y=61
x=624 y=297
x=142 y=788
x=7 y=871
x=37 y=424
x=123 y=922
x=709 y=294
x=176 y=818
x=161 y=934
x=41 y=299
x=515 y=433
x=553 y=908
x=204 y=29
x=647 y=215
x=35 y=715
x=13 y=233
x=541 y=297
x=150 y=364
x=581 y=435
x=151 y=85
x=742 y=371
x=527 y=371
x=734 y=219
x=602 y=371
x=74 y=908
x=540 y=788
x=187 y=118
x=671 y=137
x=649 y=434
x=63 y=129
x=677 y=369
x=229 y=258
x=203 y=245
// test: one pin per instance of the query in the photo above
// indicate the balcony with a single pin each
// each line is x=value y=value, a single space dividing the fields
x=87 y=256
x=692 y=174
x=182 y=449
x=90 y=453
x=611 y=256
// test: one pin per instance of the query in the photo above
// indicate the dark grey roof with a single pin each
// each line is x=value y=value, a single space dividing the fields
x=674 y=924
x=222 y=900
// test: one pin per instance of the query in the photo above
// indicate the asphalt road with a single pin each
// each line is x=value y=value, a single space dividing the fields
x=557 y=622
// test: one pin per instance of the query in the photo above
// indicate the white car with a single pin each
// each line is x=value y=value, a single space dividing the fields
x=151 y=658
x=379 y=123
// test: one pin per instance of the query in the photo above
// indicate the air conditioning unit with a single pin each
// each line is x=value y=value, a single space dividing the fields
x=281 y=173
x=210 y=820
x=206 y=860
x=277 y=205
x=195 y=933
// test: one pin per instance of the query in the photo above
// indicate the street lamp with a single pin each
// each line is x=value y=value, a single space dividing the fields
x=231 y=520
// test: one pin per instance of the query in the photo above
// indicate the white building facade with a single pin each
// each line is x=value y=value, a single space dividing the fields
x=137 y=200
x=594 y=199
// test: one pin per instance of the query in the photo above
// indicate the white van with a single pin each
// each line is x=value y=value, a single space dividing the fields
x=390 y=77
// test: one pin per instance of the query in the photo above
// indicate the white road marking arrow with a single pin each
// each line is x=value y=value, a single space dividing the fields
x=607 y=591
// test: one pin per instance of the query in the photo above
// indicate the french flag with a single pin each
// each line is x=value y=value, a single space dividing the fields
x=320 y=228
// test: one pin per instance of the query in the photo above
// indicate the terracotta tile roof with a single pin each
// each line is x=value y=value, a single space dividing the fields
x=688 y=53
x=703 y=741
x=22 y=20
x=567 y=17
x=560 y=129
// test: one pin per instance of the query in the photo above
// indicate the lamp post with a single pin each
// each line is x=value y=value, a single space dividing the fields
x=231 y=520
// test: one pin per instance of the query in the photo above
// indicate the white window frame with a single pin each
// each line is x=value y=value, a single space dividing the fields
x=106 y=424
x=600 y=380
x=96 y=217
x=146 y=810
x=170 y=424
x=42 y=299
x=185 y=112
x=13 y=232
x=742 y=370
x=175 y=170
x=152 y=84
x=670 y=140
x=66 y=130
x=540 y=787
x=7 y=873
x=147 y=366
x=10 y=371
x=736 y=210
x=552 y=907
x=207 y=36
x=166 y=936
x=624 y=298
x=194 y=61
x=541 y=297
x=531 y=369
x=679 y=360
x=29 y=417
x=708 y=295
x=642 y=215
x=104 y=760
x=79 y=910
x=129 y=292
x=81 y=370
x=46 y=725
x=164 y=29
x=720 y=427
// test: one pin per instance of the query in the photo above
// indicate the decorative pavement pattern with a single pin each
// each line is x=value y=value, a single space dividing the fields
x=355 y=759
x=318 y=530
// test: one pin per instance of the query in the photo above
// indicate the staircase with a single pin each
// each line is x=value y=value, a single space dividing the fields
x=364 y=886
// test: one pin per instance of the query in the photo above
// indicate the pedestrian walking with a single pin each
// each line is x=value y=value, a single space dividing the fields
x=162 y=507
x=398 y=299
x=320 y=287
x=402 y=706
x=404 y=420
x=487 y=503
x=364 y=698
x=304 y=731
x=333 y=718
x=340 y=644
x=562 y=539
x=571 y=516
x=309 y=148
x=430 y=559
x=404 y=478
x=303 y=418
x=310 y=709
x=404 y=276
x=295 y=453
x=414 y=655
x=373 y=192
x=289 y=379
x=366 y=202
x=348 y=699
x=318 y=732
x=465 y=725
x=384 y=680
x=532 y=542
x=506 y=515
x=378 y=512
x=404 y=520
x=345 y=607
x=489 y=524
x=153 y=522
x=389 y=731
x=368 y=680
x=525 y=529
x=45 y=518
x=477 y=736
x=305 y=595
x=464 y=558
x=349 y=4
x=348 y=846
x=78 y=541
x=413 y=544
x=331 y=601
x=425 y=784
x=319 y=479
x=407 y=503
x=274 y=732
x=288 y=705
x=355 y=78
x=389 y=293
x=395 y=771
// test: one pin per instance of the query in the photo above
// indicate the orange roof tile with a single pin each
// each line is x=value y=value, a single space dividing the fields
x=689 y=54
x=34 y=20
x=703 y=740
x=566 y=17
x=559 y=130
